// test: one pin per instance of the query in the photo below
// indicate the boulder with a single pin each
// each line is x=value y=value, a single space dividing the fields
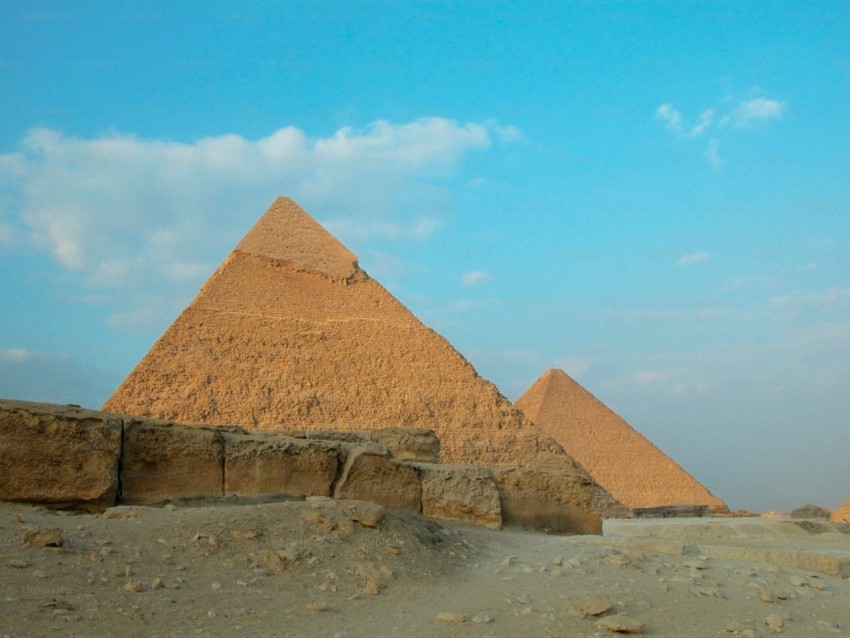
x=363 y=512
x=58 y=456
x=162 y=461
x=553 y=500
x=460 y=493
x=269 y=463
x=370 y=474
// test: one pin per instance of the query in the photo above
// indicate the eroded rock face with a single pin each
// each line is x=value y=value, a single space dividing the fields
x=270 y=464
x=370 y=474
x=460 y=493
x=547 y=499
x=58 y=456
x=164 y=461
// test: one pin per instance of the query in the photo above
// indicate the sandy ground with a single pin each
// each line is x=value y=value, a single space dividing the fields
x=305 y=569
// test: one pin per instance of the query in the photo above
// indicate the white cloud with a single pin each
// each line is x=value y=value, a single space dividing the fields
x=705 y=120
x=744 y=115
x=138 y=214
x=476 y=277
x=670 y=115
x=756 y=109
x=510 y=134
x=693 y=258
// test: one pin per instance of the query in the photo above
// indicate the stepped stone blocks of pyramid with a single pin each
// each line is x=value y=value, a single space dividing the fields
x=617 y=456
x=290 y=334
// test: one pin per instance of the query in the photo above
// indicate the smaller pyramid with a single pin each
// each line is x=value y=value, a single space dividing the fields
x=617 y=456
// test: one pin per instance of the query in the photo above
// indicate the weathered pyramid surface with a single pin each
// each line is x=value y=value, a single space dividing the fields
x=290 y=334
x=622 y=460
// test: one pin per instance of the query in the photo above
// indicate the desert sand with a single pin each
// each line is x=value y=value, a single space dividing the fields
x=304 y=568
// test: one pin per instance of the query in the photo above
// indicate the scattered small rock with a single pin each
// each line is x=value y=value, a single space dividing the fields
x=18 y=562
x=447 y=616
x=482 y=618
x=621 y=624
x=242 y=535
x=43 y=538
x=318 y=606
x=595 y=605
x=774 y=622
x=797 y=581
x=134 y=586
x=363 y=512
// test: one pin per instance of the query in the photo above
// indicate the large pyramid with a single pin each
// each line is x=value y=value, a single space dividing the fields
x=618 y=457
x=290 y=334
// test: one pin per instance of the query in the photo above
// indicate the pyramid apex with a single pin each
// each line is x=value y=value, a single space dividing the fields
x=287 y=233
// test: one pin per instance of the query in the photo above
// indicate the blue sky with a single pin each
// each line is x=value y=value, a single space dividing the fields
x=652 y=196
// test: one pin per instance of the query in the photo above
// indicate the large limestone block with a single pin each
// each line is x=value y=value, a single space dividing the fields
x=548 y=499
x=405 y=444
x=268 y=464
x=370 y=474
x=58 y=456
x=164 y=461
x=460 y=493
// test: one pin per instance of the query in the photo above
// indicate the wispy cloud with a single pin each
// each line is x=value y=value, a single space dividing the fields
x=744 y=114
x=16 y=355
x=705 y=120
x=672 y=117
x=693 y=258
x=476 y=277
x=712 y=153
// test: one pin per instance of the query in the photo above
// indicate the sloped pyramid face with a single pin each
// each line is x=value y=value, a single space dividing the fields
x=842 y=514
x=617 y=456
x=290 y=334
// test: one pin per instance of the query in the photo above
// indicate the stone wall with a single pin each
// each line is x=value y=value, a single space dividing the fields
x=66 y=457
